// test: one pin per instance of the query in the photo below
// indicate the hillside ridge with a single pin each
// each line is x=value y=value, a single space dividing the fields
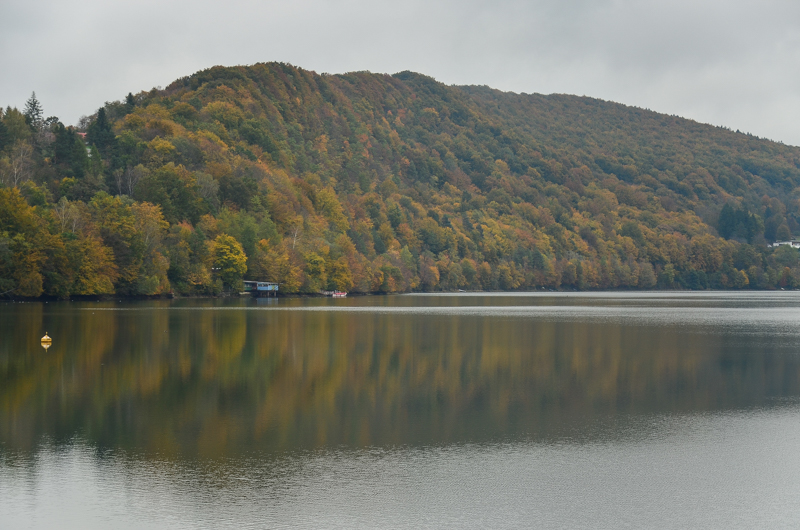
x=385 y=183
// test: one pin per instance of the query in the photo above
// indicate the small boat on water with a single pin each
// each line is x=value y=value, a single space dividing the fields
x=46 y=338
x=334 y=294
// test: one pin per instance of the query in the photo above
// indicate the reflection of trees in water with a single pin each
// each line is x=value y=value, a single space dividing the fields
x=43 y=391
x=211 y=381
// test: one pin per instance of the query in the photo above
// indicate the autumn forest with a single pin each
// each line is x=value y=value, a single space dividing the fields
x=374 y=183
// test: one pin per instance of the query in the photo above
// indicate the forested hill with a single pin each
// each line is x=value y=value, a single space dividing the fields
x=376 y=183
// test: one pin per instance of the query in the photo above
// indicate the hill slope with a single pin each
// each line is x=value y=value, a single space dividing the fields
x=378 y=183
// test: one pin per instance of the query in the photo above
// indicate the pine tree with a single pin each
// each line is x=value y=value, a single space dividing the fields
x=130 y=103
x=100 y=133
x=33 y=112
x=70 y=152
x=5 y=137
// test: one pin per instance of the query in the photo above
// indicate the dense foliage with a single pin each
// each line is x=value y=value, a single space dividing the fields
x=377 y=183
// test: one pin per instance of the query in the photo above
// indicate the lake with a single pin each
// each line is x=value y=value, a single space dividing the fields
x=524 y=410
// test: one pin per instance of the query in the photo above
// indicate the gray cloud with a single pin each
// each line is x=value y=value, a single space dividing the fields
x=732 y=63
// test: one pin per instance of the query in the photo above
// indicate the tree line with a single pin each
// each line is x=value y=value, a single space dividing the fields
x=371 y=183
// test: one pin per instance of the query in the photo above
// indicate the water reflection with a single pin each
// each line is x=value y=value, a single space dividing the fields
x=724 y=470
x=211 y=378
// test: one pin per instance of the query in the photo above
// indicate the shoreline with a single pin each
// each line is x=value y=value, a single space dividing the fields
x=172 y=296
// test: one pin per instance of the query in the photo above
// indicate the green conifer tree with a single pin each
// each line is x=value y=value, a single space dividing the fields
x=33 y=112
x=70 y=152
x=100 y=133
x=5 y=137
x=130 y=103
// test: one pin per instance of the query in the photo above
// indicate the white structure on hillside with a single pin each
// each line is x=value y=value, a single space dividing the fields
x=794 y=243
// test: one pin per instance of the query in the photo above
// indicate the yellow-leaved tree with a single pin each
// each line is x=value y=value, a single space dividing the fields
x=229 y=260
x=275 y=265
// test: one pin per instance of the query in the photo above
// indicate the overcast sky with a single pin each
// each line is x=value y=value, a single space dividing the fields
x=734 y=62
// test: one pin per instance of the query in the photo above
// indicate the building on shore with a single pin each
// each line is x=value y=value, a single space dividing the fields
x=261 y=288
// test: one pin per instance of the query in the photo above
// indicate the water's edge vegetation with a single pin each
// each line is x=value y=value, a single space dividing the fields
x=376 y=184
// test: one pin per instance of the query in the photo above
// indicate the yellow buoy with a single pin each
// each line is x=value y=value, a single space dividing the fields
x=46 y=339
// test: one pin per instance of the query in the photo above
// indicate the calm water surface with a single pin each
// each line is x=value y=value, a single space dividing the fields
x=605 y=410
